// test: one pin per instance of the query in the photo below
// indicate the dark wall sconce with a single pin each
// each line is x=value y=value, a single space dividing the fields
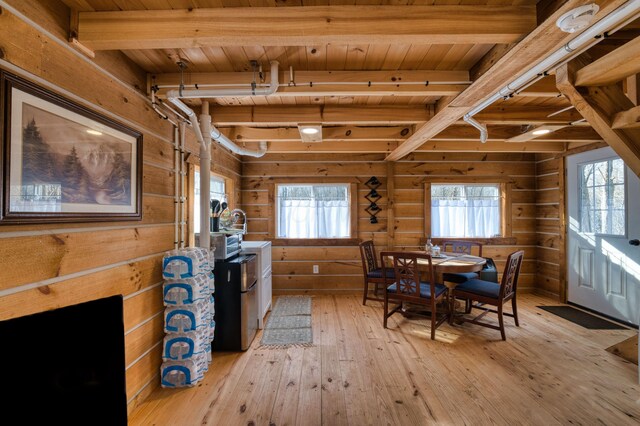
x=373 y=209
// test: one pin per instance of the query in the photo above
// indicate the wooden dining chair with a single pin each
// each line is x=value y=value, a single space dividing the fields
x=408 y=287
x=461 y=247
x=372 y=272
x=490 y=293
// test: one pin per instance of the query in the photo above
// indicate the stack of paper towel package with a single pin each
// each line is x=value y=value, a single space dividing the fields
x=188 y=317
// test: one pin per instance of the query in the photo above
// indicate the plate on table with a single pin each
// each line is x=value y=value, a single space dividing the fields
x=440 y=256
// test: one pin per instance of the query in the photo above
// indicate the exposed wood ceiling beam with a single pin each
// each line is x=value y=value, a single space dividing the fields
x=627 y=119
x=502 y=133
x=431 y=146
x=345 y=83
x=598 y=105
x=304 y=26
x=329 y=83
x=544 y=88
x=325 y=114
x=290 y=116
x=329 y=134
x=613 y=67
x=400 y=133
x=537 y=45
x=507 y=114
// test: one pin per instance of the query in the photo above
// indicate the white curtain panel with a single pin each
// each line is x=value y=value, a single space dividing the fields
x=313 y=218
x=465 y=218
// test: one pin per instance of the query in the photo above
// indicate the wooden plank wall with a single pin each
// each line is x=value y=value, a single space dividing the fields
x=550 y=236
x=340 y=266
x=46 y=266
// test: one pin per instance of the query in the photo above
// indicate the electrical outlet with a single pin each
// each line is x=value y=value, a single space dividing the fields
x=316 y=269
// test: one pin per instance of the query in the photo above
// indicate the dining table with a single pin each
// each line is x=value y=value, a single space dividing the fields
x=452 y=263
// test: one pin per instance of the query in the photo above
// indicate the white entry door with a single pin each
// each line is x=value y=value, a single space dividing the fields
x=604 y=217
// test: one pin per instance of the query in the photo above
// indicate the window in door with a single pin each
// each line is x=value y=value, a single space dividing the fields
x=465 y=210
x=601 y=197
x=216 y=190
x=313 y=211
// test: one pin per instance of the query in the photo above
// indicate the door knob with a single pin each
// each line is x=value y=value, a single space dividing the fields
x=634 y=242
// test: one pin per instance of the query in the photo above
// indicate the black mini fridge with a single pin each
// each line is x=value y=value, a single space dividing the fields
x=236 y=303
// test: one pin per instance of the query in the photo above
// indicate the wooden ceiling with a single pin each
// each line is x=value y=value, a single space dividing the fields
x=384 y=72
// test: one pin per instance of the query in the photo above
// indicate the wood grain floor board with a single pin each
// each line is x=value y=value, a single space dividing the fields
x=549 y=372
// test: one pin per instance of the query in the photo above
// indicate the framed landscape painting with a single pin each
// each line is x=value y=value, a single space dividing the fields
x=64 y=163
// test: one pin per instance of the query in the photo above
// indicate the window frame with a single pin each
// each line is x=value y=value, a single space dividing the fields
x=229 y=190
x=626 y=199
x=505 y=187
x=353 y=209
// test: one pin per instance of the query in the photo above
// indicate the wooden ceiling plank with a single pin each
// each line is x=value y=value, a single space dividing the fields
x=304 y=26
x=356 y=55
x=218 y=58
x=611 y=68
x=598 y=105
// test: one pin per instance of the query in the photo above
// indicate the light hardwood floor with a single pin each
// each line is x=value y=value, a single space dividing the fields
x=548 y=372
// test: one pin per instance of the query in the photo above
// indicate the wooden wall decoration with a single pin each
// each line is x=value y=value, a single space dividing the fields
x=63 y=162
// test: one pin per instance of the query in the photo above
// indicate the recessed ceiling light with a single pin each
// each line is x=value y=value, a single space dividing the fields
x=94 y=132
x=309 y=130
x=541 y=132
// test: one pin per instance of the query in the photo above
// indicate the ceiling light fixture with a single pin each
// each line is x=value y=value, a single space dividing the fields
x=94 y=132
x=535 y=132
x=540 y=132
x=578 y=18
x=310 y=132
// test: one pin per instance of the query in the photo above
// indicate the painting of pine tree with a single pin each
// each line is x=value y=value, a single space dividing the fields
x=37 y=160
x=87 y=168
x=63 y=161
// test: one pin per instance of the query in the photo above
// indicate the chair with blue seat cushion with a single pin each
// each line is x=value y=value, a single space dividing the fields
x=372 y=272
x=408 y=286
x=490 y=293
x=462 y=247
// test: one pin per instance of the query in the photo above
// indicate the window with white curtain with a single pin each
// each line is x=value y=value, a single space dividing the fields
x=313 y=211
x=216 y=191
x=465 y=210
x=602 y=197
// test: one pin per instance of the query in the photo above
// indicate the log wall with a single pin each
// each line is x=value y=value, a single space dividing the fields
x=339 y=266
x=47 y=266
x=550 y=231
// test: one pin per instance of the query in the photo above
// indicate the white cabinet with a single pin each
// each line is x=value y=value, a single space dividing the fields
x=263 y=250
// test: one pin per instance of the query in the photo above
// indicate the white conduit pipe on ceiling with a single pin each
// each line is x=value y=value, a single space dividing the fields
x=254 y=90
x=624 y=13
x=174 y=97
